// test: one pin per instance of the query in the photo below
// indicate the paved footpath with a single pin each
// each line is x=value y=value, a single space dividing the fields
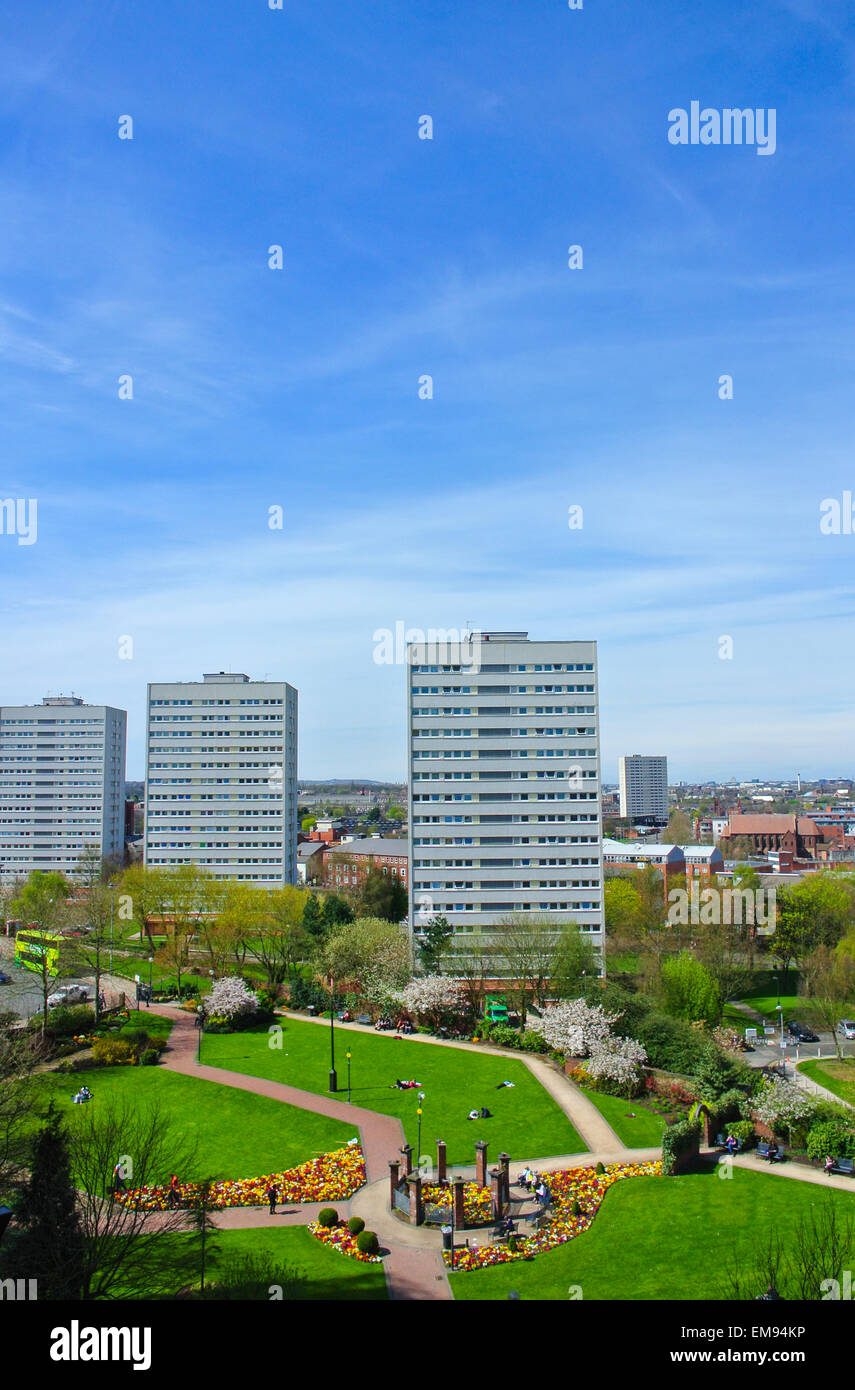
x=411 y=1273
x=413 y=1262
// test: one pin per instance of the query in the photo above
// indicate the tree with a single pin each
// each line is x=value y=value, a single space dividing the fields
x=313 y=918
x=432 y=940
x=678 y=831
x=144 y=891
x=689 y=991
x=117 y=1262
x=525 y=946
x=43 y=901
x=617 y=1060
x=396 y=813
x=816 y=912
x=368 y=957
x=725 y=952
x=21 y=1053
x=383 y=896
x=231 y=998
x=50 y=1248
x=577 y=1028
x=783 y=1106
x=89 y=951
x=829 y=978
x=574 y=961
x=435 y=997
x=334 y=909
x=308 y=823
x=201 y=1205
x=472 y=960
x=278 y=941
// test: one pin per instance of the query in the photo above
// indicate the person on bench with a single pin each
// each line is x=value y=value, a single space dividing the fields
x=829 y=1165
x=774 y=1153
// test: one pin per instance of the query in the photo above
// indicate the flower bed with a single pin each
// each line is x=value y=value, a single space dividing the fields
x=584 y=1186
x=332 y=1177
x=341 y=1239
x=477 y=1201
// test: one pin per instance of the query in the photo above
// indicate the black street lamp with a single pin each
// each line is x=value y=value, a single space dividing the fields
x=200 y=1019
x=348 y=1078
x=333 y=1077
x=419 y=1113
x=148 y=1001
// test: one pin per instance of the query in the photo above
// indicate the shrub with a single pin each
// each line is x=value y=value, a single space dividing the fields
x=355 y=1225
x=148 y=1057
x=113 y=1052
x=138 y=1036
x=328 y=1216
x=601 y=1168
x=678 y=1141
x=367 y=1243
x=64 y=1022
x=532 y=1041
x=835 y=1137
x=743 y=1130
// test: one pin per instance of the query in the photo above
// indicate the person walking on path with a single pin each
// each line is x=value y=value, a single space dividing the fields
x=118 y=1179
x=174 y=1191
x=273 y=1198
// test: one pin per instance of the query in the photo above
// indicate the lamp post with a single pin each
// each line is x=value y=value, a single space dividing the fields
x=348 y=1077
x=200 y=1018
x=333 y=1077
x=111 y=928
x=150 y=963
x=419 y=1143
x=780 y=1009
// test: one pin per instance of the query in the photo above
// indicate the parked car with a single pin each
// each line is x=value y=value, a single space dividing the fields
x=800 y=1033
x=68 y=994
x=846 y=1026
x=4 y=978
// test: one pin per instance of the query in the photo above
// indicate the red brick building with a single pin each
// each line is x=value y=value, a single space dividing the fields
x=346 y=865
x=797 y=835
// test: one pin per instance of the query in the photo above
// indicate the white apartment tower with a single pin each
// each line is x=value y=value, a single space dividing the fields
x=504 y=774
x=643 y=787
x=62 y=784
x=221 y=777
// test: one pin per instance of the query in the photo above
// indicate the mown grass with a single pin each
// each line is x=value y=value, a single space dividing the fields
x=525 y=1122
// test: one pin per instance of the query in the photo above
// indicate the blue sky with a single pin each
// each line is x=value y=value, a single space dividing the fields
x=403 y=257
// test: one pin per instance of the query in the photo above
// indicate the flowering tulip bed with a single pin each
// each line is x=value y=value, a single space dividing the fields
x=477 y=1202
x=584 y=1186
x=331 y=1177
x=344 y=1241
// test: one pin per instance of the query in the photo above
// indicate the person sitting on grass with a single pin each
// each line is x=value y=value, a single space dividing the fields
x=485 y=1113
x=474 y=1115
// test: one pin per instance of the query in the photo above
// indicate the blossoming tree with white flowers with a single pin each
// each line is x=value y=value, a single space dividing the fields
x=231 y=998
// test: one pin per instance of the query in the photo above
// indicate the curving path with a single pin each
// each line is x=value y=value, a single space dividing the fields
x=413 y=1265
x=416 y=1273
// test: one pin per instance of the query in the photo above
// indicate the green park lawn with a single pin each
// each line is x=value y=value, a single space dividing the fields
x=239 y=1135
x=838 y=1077
x=154 y=1024
x=660 y=1238
x=526 y=1121
x=634 y=1125
x=326 y=1275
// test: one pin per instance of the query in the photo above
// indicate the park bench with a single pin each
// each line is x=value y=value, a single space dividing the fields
x=763 y=1151
x=364 y=1018
x=846 y=1166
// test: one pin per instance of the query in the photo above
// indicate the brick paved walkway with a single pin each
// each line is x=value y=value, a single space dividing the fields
x=411 y=1274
